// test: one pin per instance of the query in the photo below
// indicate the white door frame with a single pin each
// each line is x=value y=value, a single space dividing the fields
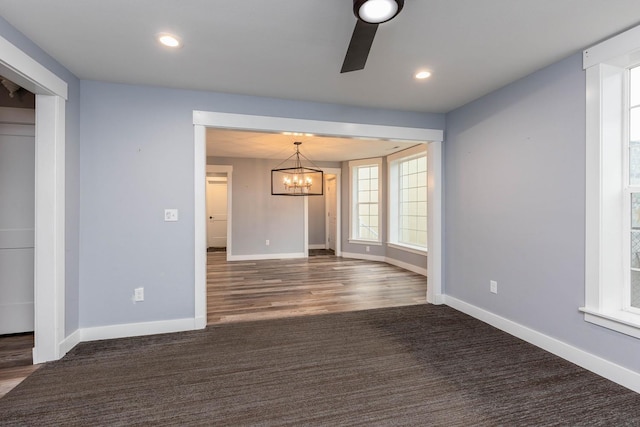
x=49 y=262
x=204 y=119
x=226 y=169
x=327 y=234
x=338 y=173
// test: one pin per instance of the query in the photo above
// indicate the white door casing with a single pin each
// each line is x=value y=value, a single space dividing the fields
x=332 y=225
x=49 y=259
x=216 y=212
x=204 y=119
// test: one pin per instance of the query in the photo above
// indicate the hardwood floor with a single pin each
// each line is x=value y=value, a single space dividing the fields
x=15 y=360
x=252 y=290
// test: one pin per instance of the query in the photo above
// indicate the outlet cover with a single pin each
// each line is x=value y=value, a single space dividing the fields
x=493 y=286
x=171 y=214
x=138 y=294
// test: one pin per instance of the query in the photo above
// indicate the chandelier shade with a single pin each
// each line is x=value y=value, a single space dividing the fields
x=297 y=180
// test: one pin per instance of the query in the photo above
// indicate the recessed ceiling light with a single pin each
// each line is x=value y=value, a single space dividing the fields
x=169 y=40
x=423 y=75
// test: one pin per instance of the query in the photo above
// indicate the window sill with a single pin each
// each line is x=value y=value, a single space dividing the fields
x=621 y=321
x=412 y=249
x=365 y=242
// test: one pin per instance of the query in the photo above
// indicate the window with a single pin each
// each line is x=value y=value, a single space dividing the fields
x=612 y=268
x=365 y=200
x=632 y=194
x=408 y=198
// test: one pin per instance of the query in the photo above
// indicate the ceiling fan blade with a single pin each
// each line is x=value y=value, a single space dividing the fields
x=359 y=46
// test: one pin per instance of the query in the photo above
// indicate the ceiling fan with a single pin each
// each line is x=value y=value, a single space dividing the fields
x=370 y=14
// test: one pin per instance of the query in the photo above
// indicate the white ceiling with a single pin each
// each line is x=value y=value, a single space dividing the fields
x=294 y=49
x=317 y=148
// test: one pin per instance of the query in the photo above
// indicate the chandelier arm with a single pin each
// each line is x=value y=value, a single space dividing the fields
x=285 y=160
x=305 y=157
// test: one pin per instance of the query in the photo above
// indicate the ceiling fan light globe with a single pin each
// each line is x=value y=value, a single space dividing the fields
x=377 y=11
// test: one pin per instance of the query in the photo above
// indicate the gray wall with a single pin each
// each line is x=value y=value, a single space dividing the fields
x=137 y=160
x=258 y=216
x=514 y=177
x=72 y=188
x=317 y=223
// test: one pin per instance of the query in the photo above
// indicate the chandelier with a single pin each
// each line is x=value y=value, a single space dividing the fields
x=297 y=180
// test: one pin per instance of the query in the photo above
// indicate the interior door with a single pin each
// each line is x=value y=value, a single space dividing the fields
x=17 y=210
x=331 y=201
x=217 y=212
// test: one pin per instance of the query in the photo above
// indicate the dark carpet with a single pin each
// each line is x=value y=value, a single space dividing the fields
x=419 y=365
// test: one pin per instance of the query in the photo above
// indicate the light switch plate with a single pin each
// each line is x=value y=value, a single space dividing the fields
x=171 y=214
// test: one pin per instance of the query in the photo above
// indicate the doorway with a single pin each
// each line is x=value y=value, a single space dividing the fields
x=17 y=193
x=331 y=205
x=49 y=227
x=217 y=213
x=204 y=119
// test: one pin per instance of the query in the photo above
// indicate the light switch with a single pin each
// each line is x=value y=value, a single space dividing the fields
x=171 y=214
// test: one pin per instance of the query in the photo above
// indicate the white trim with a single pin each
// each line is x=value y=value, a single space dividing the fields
x=393 y=196
x=606 y=203
x=365 y=242
x=621 y=321
x=137 y=329
x=23 y=70
x=353 y=216
x=257 y=257
x=227 y=169
x=277 y=124
x=49 y=228
x=415 y=151
x=406 y=266
x=413 y=250
x=620 y=48
x=305 y=225
x=380 y=258
x=616 y=373
x=318 y=246
x=388 y=260
x=435 y=185
x=49 y=269
x=200 y=224
x=71 y=341
x=338 y=178
x=267 y=123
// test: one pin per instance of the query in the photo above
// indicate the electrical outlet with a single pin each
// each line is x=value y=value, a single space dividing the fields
x=367 y=248
x=171 y=214
x=266 y=242
x=493 y=286
x=138 y=294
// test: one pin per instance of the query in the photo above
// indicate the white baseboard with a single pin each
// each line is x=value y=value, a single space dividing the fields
x=353 y=255
x=200 y=322
x=392 y=261
x=265 y=256
x=69 y=342
x=318 y=246
x=616 y=373
x=137 y=329
x=406 y=266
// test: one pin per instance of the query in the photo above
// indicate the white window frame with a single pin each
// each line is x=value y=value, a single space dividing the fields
x=606 y=239
x=353 y=227
x=393 y=213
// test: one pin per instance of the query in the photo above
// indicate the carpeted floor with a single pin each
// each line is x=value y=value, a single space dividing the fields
x=418 y=365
